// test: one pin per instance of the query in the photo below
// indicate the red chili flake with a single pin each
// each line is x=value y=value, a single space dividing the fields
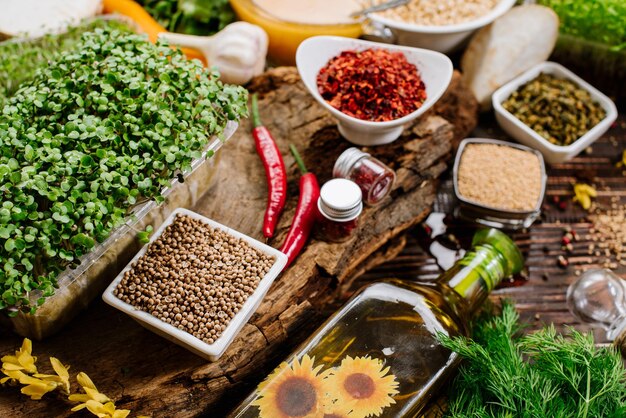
x=374 y=84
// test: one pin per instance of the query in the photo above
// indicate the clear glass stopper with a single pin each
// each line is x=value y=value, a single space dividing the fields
x=599 y=296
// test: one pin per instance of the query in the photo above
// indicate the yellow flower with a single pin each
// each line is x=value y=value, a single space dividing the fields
x=583 y=194
x=22 y=360
x=91 y=393
x=292 y=391
x=34 y=387
x=363 y=384
x=60 y=379
x=106 y=410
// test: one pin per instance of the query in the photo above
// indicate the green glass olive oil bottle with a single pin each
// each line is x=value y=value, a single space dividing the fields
x=378 y=356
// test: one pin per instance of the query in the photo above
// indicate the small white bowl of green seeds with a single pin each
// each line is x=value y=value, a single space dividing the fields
x=551 y=109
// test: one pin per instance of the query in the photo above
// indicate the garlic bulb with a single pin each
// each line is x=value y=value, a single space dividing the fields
x=238 y=51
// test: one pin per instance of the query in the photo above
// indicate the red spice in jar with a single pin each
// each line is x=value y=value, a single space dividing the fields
x=374 y=84
x=373 y=177
x=334 y=231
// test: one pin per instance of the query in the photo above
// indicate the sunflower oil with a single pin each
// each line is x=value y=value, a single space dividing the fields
x=378 y=356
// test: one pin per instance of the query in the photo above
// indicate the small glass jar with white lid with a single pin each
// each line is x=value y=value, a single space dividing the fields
x=340 y=204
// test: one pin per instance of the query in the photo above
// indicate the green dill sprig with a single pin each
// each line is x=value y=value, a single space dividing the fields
x=542 y=374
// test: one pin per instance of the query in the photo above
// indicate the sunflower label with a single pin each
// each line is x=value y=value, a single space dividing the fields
x=359 y=387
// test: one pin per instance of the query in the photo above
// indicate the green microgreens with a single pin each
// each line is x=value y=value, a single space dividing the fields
x=602 y=21
x=102 y=128
x=21 y=58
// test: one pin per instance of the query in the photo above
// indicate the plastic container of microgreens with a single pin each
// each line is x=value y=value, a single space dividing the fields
x=78 y=287
x=211 y=352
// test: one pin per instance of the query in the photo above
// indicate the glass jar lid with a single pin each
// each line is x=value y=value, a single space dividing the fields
x=340 y=200
x=346 y=161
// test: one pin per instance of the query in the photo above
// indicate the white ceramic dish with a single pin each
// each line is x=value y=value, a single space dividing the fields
x=434 y=68
x=443 y=38
x=552 y=153
x=209 y=351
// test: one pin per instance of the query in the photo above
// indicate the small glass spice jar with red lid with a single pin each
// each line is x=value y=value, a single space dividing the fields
x=373 y=177
x=339 y=205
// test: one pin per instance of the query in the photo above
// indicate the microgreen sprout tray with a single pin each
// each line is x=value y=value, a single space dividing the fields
x=209 y=351
x=78 y=287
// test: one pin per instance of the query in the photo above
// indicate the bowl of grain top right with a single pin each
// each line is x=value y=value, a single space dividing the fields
x=499 y=184
x=551 y=109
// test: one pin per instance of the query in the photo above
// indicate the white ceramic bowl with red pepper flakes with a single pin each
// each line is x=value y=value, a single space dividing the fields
x=435 y=70
x=211 y=352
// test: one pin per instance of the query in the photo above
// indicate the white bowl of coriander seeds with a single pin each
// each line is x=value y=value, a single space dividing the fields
x=438 y=25
x=499 y=184
x=196 y=283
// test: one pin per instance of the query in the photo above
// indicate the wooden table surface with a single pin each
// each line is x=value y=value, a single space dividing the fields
x=540 y=299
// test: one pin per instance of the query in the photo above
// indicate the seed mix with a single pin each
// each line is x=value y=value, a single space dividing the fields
x=194 y=277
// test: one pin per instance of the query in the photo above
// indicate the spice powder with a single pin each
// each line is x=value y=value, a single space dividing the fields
x=500 y=177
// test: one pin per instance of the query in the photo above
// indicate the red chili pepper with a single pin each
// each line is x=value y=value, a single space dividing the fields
x=274 y=171
x=306 y=212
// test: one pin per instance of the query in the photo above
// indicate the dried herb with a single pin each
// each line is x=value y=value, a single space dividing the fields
x=557 y=109
x=543 y=374
x=374 y=84
x=101 y=129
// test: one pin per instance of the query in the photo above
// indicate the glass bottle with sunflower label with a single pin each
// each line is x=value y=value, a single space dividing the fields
x=378 y=356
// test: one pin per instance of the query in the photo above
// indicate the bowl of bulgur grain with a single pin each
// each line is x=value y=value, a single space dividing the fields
x=440 y=25
x=498 y=183
x=196 y=283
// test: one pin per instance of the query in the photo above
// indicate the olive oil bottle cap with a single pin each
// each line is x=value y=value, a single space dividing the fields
x=504 y=245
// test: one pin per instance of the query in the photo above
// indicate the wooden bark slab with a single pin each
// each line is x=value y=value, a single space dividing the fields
x=154 y=377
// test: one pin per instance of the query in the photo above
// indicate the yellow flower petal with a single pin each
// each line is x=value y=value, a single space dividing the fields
x=121 y=413
x=79 y=397
x=9 y=359
x=96 y=408
x=13 y=374
x=62 y=373
x=85 y=381
x=97 y=396
x=12 y=366
x=79 y=407
x=27 y=346
x=27 y=362
x=59 y=368
x=37 y=389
